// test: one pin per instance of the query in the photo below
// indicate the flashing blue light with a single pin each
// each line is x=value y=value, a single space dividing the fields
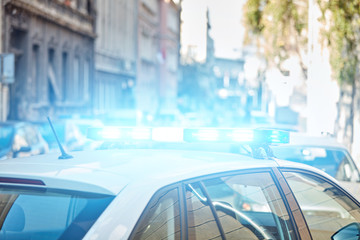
x=110 y=133
x=167 y=134
x=257 y=136
x=119 y=133
x=271 y=136
x=218 y=135
x=242 y=135
x=140 y=133
x=206 y=134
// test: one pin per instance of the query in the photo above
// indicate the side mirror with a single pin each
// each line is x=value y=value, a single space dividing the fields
x=350 y=231
x=22 y=149
x=25 y=149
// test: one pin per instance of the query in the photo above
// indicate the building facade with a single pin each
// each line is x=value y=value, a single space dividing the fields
x=136 y=59
x=169 y=62
x=115 y=56
x=53 y=43
x=158 y=55
x=149 y=57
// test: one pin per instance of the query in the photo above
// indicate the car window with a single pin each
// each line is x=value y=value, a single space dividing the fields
x=6 y=134
x=250 y=205
x=161 y=219
x=325 y=207
x=30 y=214
x=201 y=223
x=335 y=162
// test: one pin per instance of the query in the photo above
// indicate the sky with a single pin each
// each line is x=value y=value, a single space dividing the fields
x=226 y=27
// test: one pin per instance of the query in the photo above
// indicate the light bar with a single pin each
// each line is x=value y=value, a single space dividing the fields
x=271 y=136
x=218 y=135
x=261 y=136
x=169 y=134
x=119 y=133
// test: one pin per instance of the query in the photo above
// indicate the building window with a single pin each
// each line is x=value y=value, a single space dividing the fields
x=35 y=66
x=86 y=79
x=53 y=89
x=64 y=75
x=76 y=79
x=89 y=7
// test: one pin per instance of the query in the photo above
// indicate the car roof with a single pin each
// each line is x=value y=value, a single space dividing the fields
x=304 y=139
x=109 y=171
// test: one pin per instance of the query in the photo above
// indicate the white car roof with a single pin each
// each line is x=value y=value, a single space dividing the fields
x=109 y=171
x=303 y=139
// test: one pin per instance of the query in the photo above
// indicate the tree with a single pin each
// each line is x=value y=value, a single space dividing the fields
x=280 y=27
x=343 y=39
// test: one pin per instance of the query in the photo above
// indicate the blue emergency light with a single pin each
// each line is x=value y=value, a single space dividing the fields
x=119 y=133
x=158 y=134
x=260 y=136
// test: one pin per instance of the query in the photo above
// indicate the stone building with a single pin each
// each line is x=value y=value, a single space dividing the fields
x=149 y=57
x=53 y=43
x=158 y=55
x=169 y=48
x=136 y=59
x=115 y=56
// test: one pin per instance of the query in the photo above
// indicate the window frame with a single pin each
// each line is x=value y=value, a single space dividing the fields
x=273 y=174
x=46 y=192
x=296 y=217
x=328 y=148
x=297 y=213
x=155 y=195
x=333 y=183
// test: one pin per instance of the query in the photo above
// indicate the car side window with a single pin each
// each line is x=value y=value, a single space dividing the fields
x=161 y=220
x=325 y=207
x=346 y=170
x=250 y=205
x=200 y=219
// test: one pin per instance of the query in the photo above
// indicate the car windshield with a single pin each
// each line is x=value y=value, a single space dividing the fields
x=6 y=133
x=327 y=159
x=33 y=214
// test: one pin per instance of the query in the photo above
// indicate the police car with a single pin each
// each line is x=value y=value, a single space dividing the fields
x=173 y=194
x=325 y=153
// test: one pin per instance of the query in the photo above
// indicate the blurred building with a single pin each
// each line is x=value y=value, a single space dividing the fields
x=158 y=55
x=53 y=43
x=169 y=36
x=137 y=52
x=149 y=57
x=232 y=93
x=115 y=55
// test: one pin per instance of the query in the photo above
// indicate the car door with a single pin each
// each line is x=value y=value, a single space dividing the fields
x=337 y=162
x=252 y=204
x=347 y=172
x=327 y=209
x=246 y=204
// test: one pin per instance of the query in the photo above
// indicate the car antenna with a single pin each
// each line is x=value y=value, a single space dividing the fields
x=63 y=155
